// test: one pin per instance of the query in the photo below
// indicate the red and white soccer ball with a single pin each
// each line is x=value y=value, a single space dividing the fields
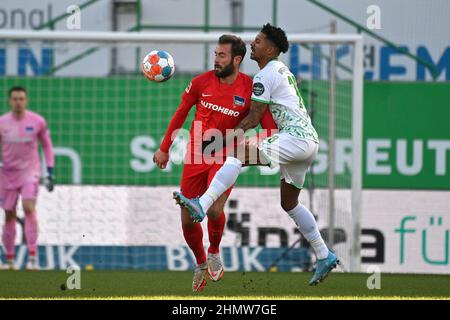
x=158 y=66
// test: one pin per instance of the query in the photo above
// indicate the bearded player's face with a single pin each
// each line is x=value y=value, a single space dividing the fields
x=223 y=61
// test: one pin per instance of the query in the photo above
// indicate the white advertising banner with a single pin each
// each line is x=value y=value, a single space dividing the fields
x=402 y=231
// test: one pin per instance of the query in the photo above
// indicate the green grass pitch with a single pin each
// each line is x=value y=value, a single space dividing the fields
x=234 y=285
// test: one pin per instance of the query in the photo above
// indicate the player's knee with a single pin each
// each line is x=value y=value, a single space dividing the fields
x=288 y=205
x=10 y=215
x=28 y=209
x=214 y=213
x=186 y=220
x=188 y=225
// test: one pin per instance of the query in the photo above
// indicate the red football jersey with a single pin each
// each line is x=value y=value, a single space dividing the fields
x=218 y=106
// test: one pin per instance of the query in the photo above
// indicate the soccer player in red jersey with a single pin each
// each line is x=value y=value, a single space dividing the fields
x=222 y=99
x=20 y=133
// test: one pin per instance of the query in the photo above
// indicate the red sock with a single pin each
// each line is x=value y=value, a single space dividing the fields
x=215 y=231
x=194 y=239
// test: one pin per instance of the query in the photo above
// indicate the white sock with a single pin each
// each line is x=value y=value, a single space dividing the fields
x=222 y=181
x=307 y=225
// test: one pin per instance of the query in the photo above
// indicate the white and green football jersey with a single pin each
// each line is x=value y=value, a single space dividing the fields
x=277 y=86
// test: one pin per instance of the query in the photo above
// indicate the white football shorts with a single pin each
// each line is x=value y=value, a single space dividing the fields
x=293 y=155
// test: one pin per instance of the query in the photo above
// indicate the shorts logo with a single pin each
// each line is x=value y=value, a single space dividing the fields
x=258 y=88
x=239 y=101
x=272 y=139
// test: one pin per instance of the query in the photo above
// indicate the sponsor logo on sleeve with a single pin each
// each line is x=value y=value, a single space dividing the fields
x=258 y=88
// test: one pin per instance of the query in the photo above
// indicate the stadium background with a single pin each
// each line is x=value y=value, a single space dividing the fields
x=112 y=208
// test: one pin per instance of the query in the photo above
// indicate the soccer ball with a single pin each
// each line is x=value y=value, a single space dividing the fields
x=158 y=66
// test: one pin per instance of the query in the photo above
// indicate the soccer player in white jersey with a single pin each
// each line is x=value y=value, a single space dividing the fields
x=20 y=133
x=293 y=148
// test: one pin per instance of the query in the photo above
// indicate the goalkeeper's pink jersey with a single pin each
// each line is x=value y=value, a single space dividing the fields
x=20 y=156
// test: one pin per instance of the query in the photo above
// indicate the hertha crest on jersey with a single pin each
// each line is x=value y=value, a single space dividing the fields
x=239 y=101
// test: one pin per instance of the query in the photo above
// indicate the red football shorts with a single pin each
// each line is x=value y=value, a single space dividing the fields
x=197 y=177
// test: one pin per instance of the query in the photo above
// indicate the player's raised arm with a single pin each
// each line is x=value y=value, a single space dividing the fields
x=189 y=97
x=47 y=147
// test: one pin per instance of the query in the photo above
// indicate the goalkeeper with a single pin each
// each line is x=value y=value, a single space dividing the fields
x=20 y=132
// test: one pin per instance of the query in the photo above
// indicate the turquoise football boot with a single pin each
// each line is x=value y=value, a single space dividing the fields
x=323 y=268
x=192 y=205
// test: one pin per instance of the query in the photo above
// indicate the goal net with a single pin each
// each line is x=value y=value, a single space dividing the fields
x=112 y=206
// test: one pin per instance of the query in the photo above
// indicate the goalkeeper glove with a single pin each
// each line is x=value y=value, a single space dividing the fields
x=49 y=180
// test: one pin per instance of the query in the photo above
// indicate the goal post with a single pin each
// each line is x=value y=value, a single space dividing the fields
x=357 y=151
x=99 y=114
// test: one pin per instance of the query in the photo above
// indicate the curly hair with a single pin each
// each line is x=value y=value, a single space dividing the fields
x=277 y=36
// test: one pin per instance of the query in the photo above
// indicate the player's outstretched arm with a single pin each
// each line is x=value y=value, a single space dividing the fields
x=188 y=99
x=161 y=156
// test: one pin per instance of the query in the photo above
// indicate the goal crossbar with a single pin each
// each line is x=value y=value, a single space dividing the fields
x=182 y=37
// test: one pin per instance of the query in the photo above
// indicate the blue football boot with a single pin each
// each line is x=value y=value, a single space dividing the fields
x=323 y=268
x=192 y=205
